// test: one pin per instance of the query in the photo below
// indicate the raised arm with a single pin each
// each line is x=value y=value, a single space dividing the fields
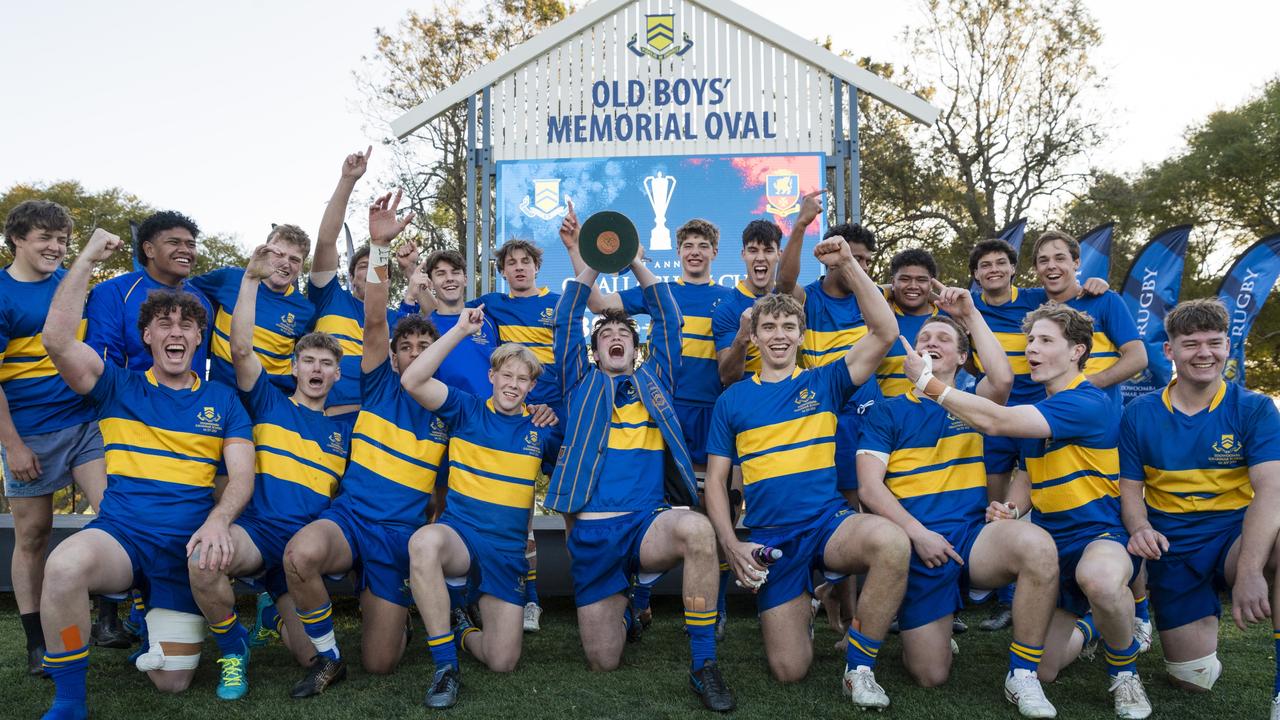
x=988 y=418
x=732 y=360
x=789 y=263
x=1133 y=360
x=664 y=331
x=77 y=363
x=245 y=318
x=568 y=345
x=998 y=373
x=324 y=266
x=383 y=228
x=419 y=378
x=882 y=327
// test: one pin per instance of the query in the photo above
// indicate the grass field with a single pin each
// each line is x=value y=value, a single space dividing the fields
x=552 y=680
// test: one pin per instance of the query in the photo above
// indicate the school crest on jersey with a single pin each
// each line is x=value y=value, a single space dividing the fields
x=286 y=324
x=806 y=401
x=209 y=420
x=335 y=443
x=438 y=429
x=531 y=445
x=548 y=316
x=1228 y=450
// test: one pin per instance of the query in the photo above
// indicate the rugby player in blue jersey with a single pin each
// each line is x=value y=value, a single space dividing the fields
x=621 y=433
x=1070 y=459
x=300 y=457
x=164 y=432
x=780 y=425
x=1207 y=454
x=496 y=453
x=736 y=356
x=922 y=468
x=48 y=434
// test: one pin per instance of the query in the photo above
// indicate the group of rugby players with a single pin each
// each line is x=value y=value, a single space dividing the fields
x=333 y=434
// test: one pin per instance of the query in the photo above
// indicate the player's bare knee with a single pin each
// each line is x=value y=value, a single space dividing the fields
x=696 y=532
x=301 y=560
x=171 y=682
x=788 y=671
x=603 y=662
x=503 y=661
x=63 y=575
x=929 y=676
x=888 y=545
x=1101 y=588
x=33 y=540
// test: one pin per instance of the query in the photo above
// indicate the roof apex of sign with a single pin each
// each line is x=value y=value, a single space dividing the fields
x=910 y=104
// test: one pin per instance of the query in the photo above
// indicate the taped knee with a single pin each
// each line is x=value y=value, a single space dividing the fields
x=1202 y=673
x=174 y=628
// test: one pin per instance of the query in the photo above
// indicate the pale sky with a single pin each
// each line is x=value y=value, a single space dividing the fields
x=239 y=113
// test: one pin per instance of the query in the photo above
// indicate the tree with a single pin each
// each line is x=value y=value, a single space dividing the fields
x=112 y=209
x=1015 y=83
x=416 y=60
x=1225 y=183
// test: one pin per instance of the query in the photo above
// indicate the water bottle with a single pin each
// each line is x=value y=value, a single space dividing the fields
x=766 y=556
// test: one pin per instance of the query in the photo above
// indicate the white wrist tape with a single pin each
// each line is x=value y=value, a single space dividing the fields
x=379 y=256
x=945 y=392
x=926 y=374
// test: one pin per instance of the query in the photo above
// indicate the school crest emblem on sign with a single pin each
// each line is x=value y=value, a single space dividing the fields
x=660 y=38
x=782 y=191
x=547 y=203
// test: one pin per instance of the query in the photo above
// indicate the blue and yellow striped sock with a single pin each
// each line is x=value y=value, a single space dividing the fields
x=68 y=670
x=137 y=617
x=1141 y=609
x=271 y=618
x=726 y=576
x=1024 y=657
x=319 y=626
x=701 y=626
x=1122 y=660
x=1277 y=640
x=457 y=596
x=461 y=640
x=1086 y=627
x=531 y=587
x=230 y=635
x=444 y=652
x=862 y=650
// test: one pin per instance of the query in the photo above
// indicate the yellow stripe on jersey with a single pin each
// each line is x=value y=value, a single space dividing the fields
x=1103 y=355
x=702 y=346
x=963 y=474
x=498 y=462
x=20 y=348
x=264 y=341
x=290 y=469
x=788 y=432
x=390 y=466
x=809 y=458
x=1169 y=490
x=161 y=468
x=822 y=347
x=645 y=437
x=537 y=339
x=1069 y=460
x=892 y=377
x=131 y=433
x=347 y=332
x=695 y=325
x=487 y=489
x=1015 y=348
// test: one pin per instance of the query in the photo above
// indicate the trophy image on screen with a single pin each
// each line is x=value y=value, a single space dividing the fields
x=659 y=189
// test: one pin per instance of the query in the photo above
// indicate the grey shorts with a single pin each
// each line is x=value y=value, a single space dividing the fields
x=59 y=452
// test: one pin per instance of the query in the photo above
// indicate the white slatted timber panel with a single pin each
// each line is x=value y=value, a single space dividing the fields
x=763 y=80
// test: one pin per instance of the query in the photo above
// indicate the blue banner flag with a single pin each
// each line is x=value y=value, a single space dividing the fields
x=1150 y=290
x=133 y=243
x=1012 y=234
x=1095 y=253
x=1244 y=289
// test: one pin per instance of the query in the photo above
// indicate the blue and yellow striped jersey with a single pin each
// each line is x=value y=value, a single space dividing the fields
x=467 y=366
x=39 y=400
x=300 y=456
x=282 y=318
x=784 y=435
x=528 y=321
x=831 y=325
x=397 y=447
x=1005 y=322
x=631 y=474
x=891 y=376
x=727 y=318
x=341 y=314
x=1074 y=472
x=1196 y=467
x=163 y=447
x=112 y=312
x=699 y=374
x=494 y=460
x=935 y=464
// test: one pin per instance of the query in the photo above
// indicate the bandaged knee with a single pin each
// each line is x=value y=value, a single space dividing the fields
x=1202 y=673
x=174 y=628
